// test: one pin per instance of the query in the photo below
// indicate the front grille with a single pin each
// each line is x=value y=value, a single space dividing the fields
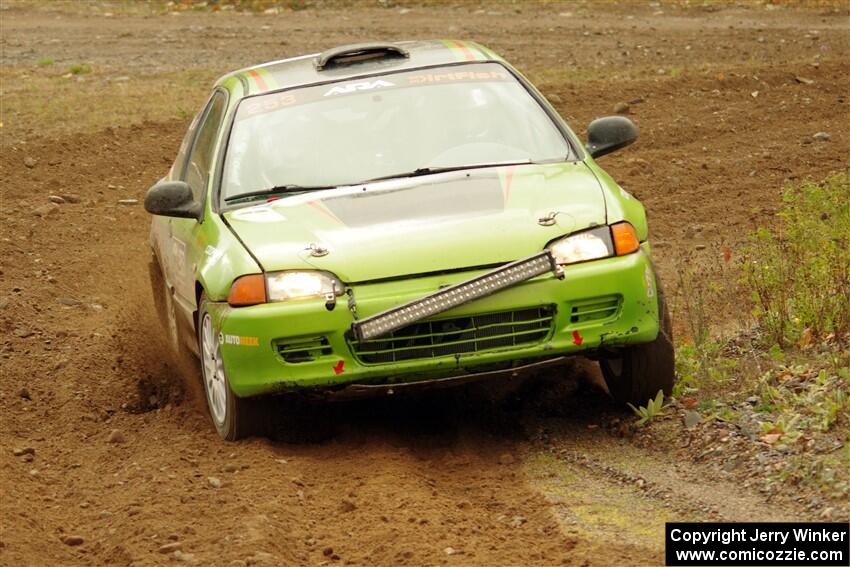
x=458 y=335
x=304 y=351
x=595 y=309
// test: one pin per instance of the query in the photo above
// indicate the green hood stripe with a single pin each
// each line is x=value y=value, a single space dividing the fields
x=488 y=53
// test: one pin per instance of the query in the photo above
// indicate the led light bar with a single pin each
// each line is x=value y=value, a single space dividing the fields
x=458 y=294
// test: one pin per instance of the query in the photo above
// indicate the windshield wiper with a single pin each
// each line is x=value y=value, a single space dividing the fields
x=294 y=189
x=274 y=191
x=430 y=170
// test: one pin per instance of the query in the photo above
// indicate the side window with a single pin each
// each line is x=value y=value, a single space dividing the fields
x=200 y=159
x=179 y=163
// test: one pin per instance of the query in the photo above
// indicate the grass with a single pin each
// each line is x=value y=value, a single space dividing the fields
x=811 y=392
x=795 y=276
x=791 y=358
x=63 y=106
x=702 y=285
x=80 y=69
x=806 y=410
x=799 y=274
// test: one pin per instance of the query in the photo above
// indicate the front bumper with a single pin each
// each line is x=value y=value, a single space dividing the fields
x=279 y=347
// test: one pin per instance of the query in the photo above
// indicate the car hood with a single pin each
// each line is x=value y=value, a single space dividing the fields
x=425 y=224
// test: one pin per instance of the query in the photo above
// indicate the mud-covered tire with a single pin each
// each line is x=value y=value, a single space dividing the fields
x=233 y=417
x=636 y=373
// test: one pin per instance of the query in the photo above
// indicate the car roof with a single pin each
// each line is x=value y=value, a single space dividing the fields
x=307 y=69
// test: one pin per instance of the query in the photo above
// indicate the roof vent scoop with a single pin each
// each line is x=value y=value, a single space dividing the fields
x=358 y=53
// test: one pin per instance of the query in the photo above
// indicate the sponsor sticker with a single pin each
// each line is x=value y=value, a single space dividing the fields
x=361 y=86
x=650 y=290
x=240 y=341
x=268 y=103
x=458 y=76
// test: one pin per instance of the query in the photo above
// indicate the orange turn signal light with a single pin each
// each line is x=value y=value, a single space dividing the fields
x=247 y=290
x=625 y=238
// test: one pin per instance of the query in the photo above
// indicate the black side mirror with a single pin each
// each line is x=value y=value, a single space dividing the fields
x=609 y=134
x=172 y=199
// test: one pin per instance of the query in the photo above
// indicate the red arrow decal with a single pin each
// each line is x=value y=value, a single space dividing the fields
x=338 y=369
x=577 y=340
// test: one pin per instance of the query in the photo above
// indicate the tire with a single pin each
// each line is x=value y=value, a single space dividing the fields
x=636 y=373
x=232 y=417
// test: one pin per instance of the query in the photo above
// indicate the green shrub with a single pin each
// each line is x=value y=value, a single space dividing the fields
x=701 y=365
x=80 y=69
x=799 y=273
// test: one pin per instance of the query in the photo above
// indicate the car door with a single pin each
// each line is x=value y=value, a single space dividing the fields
x=161 y=225
x=186 y=235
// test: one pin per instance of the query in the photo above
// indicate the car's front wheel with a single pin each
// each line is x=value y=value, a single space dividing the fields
x=635 y=374
x=233 y=417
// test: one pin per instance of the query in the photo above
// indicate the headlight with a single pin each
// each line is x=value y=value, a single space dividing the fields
x=588 y=245
x=283 y=286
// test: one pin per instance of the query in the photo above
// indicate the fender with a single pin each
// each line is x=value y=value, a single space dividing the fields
x=222 y=259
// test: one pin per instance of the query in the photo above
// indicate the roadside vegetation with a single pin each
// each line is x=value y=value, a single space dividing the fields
x=782 y=378
x=50 y=98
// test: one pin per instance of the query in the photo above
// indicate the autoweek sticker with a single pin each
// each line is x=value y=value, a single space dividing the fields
x=239 y=340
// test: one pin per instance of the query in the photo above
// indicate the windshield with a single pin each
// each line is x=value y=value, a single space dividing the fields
x=352 y=131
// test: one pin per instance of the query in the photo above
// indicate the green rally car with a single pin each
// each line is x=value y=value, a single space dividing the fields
x=383 y=216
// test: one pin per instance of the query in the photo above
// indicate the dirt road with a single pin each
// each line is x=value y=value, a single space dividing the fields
x=106 y=453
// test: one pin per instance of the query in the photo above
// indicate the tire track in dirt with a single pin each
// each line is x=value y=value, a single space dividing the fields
x=614 y=495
